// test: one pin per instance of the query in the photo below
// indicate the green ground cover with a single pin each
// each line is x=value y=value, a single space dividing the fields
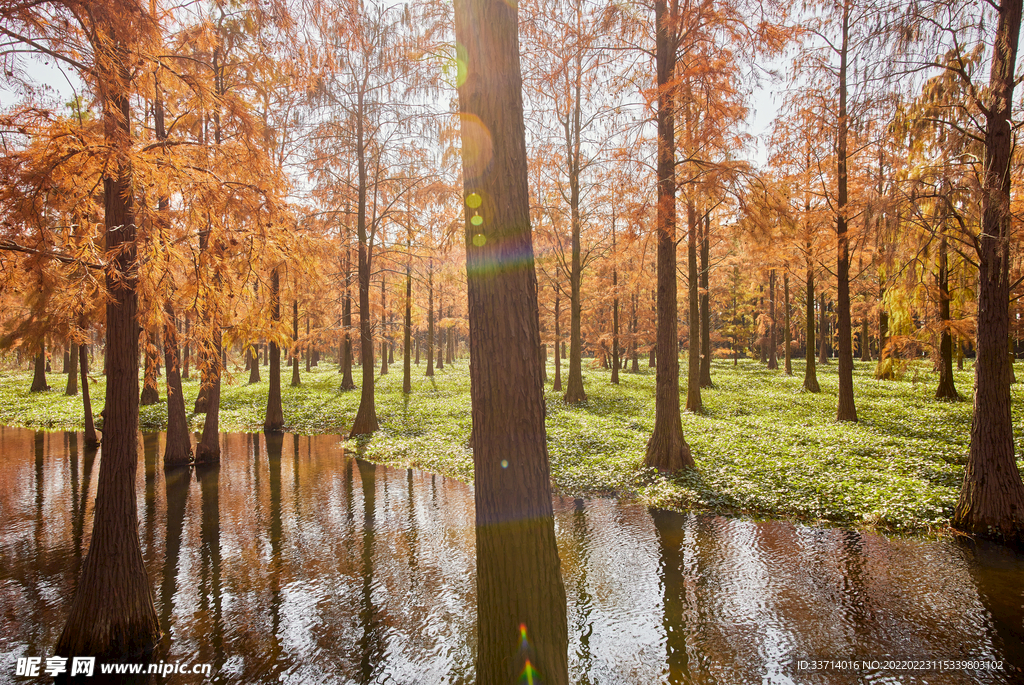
x=763 y=447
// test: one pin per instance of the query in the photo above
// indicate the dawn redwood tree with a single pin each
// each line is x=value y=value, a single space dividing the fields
x=991 y=500
x=667 y=449
x=112 y=613
x=521 y=625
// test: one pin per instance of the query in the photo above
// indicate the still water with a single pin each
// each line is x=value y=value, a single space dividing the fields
x=294 y=562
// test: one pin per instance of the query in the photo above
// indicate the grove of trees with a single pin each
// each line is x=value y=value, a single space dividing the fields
x=198 y=185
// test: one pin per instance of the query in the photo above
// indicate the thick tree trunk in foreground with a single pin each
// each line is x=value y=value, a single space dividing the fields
x=521 y=629
x=39 y=375
x=178 y=449
x=274 y=421
x=992 y=497
x=666 y=450
x=112 y=613
x=810 y=371
x=72 y=369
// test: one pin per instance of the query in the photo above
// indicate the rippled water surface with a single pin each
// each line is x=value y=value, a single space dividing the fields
x=294 y=562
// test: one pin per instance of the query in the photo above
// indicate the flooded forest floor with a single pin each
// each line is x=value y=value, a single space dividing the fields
x=763 y=447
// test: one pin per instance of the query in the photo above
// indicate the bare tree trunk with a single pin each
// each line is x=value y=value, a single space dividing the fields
x=773 y=354
x=810 y=372
x=296 y=381
x=823 y=331
x=346 y=321
x=615 y=311
x=430 y=319
x=72 y=369
x=946 y=389
x=705 y=305
x=557 y=385
x=274 y=421
x=667 y=450
x=521 y=612
x=383 y=336
x=39 y=375
x=178 y=447
x=789 y=331
x=846 y=410
x=150 y=393
x=694 y=403
x=91 y=441
x=407 y=333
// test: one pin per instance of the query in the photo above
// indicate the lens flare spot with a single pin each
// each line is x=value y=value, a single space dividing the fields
x=473 y=200
x=477 y=146
x=476 y=220
x=504 y=463
x=479 y=239
x=528 y=674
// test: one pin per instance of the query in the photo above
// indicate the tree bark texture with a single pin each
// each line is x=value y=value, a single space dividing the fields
x=694 y=403
x=72 y=369
x=846 y=409
x=39 y=371
x=705 y=305
x=112 y=613
x=810 y=371
x=521 y=626
x=666 y=449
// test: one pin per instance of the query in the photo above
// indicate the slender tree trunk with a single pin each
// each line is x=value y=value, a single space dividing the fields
x=407 y=333
x=705 y=305
x=694 y=402
x=992 y=497
x=633 y=326
x=788 y=336
x=186 y=353
x=366 y=417
x=178 y=447
x=346 y=321
x=810 y=371
x=39 y=374
x=296 y=381
x=667 y=451
x=383 y=337
x=274 y=421
x=72 y=369
x=946 y=389
x=773 y=354
x=521 y=628
x=846 y=410
x=557 y=385
x=90 y=440
x=439 y=338
x=823 y=331
x=150 y=393
x=208 y=449
x=430 y=319
x=112 y=613
x=615 y=311
x=309 y=350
